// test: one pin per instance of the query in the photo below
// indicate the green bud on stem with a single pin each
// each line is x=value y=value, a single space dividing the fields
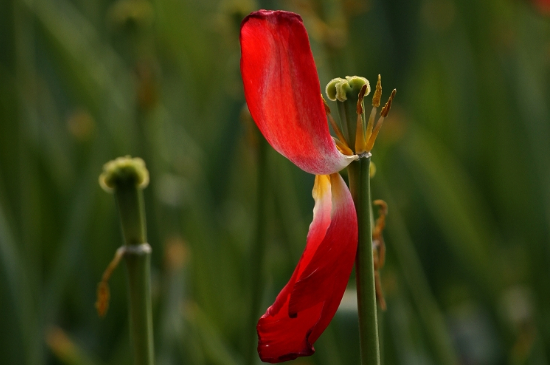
x=126 y=177
x=124 y=171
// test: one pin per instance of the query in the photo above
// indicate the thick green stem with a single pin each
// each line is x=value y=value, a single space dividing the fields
x=257 y=253
x=137 y=255
x=138 y=259
x=129 y=200
x=359 y=181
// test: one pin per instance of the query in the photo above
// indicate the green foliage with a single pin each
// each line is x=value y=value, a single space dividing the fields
x=462 y=161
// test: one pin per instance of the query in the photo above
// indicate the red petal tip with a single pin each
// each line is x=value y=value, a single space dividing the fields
x=283 y=93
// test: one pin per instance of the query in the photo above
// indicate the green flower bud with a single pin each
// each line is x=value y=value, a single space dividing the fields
x=124 y=171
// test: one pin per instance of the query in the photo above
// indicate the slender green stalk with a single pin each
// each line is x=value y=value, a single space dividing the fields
x=257 y=253
x=126 y=177
x=129 y=200
x=137 y=256
x=359 y=181
x=138 y=259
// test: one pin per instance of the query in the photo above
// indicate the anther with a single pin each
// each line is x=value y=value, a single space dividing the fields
x=387 y=107
x=362 y=94
x=360 y=140
x=377 y=93
x=383 y=115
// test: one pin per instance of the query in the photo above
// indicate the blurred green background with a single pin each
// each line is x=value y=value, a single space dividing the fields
x=463 y=161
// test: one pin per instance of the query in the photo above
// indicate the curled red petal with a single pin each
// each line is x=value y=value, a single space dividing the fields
x=282 y=91
x=306 y=305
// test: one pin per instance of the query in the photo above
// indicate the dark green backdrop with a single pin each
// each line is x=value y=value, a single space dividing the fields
x=463 y=161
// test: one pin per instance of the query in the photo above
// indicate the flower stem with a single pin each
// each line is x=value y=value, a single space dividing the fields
x=141 y=320
x=129 y=199
x=359 y=181
x=257 y=253
x=137 y=255
x=126 y=178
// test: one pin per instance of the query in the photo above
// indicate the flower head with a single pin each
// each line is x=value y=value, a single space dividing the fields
x=284 y=98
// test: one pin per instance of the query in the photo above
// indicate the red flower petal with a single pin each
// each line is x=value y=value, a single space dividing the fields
x=283 y=92
x=306 y=305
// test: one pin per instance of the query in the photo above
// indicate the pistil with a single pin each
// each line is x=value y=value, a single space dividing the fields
x=340 y=140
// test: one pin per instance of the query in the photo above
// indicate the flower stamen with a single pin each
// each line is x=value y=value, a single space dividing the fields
x=387 y=107
x=343 y=147
x=375 y=104
x=383 y=115
x=377 y=93
x=360 y=140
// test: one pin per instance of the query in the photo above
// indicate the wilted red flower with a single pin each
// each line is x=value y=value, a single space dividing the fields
x=284 y=98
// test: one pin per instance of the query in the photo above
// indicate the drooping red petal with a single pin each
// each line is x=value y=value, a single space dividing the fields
x=306 y=305
x=282 y=91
